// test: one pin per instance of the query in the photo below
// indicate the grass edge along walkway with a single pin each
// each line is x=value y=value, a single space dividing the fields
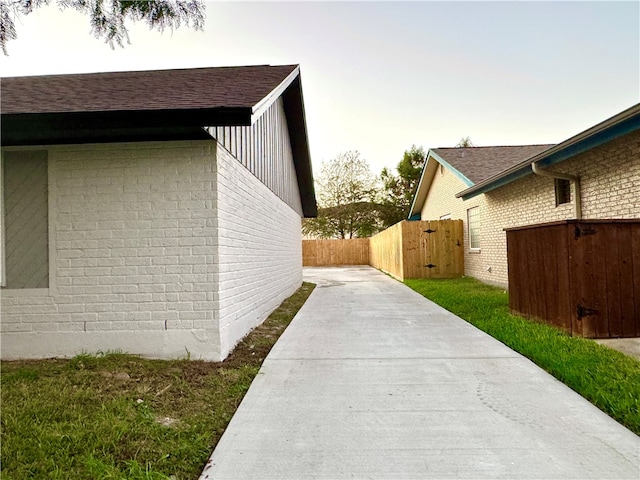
x=119 y=416
x=607 y=378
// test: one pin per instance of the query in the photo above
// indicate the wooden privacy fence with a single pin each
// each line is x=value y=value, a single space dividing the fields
x=422 y=249
x=580 y=275
x=322 y=253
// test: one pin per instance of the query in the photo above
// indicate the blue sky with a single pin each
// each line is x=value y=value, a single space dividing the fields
x=381 y=76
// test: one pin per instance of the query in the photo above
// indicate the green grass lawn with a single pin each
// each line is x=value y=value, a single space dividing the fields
x=607 y=378
x=118 y=416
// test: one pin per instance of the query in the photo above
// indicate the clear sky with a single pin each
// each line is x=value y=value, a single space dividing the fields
x=378 y=77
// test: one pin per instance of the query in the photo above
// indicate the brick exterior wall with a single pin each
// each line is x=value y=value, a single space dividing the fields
x=260 y=251
x=610 y=186
x=140 y=259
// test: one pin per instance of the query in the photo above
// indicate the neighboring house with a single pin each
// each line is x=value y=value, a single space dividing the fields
x=153 y=212
x=493 y=188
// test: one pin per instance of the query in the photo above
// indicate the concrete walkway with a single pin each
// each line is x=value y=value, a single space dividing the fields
x=373 y=381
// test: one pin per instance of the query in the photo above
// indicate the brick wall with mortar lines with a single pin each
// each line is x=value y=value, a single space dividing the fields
x=610 y=186
x=260 y=250
x=441 y=200
x=132 y=255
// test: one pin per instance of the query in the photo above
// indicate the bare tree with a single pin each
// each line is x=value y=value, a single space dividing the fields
x=346 y=191
x=465 y=142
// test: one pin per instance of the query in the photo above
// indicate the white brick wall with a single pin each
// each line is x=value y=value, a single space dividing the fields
x=127 y=225
x=260 y=250
x=610 y=185
x=155 y=249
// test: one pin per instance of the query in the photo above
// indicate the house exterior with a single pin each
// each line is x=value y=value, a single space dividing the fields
x=493 y=188
x=155 y=213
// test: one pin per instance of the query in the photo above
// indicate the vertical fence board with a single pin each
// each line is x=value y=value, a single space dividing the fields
x=635 y=260
x=582 y=276
x=539 y=274
x=386 y=251
x=322 y=253
x=611 y=254
x=402 y=250
x=625 y=297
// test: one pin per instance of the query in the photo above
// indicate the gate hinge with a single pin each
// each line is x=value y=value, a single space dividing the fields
x=430 y=265
x=586 y=311
x=583 y=231
x=429 y=231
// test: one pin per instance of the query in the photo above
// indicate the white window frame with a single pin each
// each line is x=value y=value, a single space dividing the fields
x=446 y=216
x=473 y=212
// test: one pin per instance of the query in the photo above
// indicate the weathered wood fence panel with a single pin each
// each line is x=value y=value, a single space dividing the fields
x=423 y=249
x=323 y=253
x=580 y=275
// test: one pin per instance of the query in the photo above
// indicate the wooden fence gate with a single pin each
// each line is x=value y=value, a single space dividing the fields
x=580 y=275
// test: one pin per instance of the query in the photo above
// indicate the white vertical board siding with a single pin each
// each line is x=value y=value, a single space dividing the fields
x=133 y=231
x=260 y=250
x=25 y=220
x=265 y=149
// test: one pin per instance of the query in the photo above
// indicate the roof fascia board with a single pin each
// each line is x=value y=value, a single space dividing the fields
x=420 y=193
x=263 y=105
x=293 y=103
x=618 y=126
x=32 y=129
x=455 y=171
x=92 y=136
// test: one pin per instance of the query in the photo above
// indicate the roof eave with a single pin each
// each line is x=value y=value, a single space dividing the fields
x=424 y=183
x=296 y=123
x=264 y=104
x=617 y=126
x=103 y=127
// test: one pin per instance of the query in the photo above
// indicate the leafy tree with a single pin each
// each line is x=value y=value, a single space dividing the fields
x=107 y=18
x=465 y=142
x=399 y=189
x=346 y=189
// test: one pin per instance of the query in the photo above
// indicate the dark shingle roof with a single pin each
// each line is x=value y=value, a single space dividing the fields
x=197 y=88
x=479 y=163
x=157 y=105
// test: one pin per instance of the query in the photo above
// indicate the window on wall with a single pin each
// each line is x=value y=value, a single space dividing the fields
x=445 y=217
x=473 y=226
x=563 y=191
x=25 y=224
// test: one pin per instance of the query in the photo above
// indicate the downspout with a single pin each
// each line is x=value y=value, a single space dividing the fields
x=573 y=179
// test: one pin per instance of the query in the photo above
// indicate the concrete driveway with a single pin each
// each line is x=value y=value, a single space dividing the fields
x=373 y=381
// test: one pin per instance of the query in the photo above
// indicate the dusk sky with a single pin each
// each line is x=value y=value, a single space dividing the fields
x=378 y=77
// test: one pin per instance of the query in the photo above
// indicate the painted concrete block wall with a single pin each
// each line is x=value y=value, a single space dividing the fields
x=132 y=247
x=260 y=250
x=441 y=200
